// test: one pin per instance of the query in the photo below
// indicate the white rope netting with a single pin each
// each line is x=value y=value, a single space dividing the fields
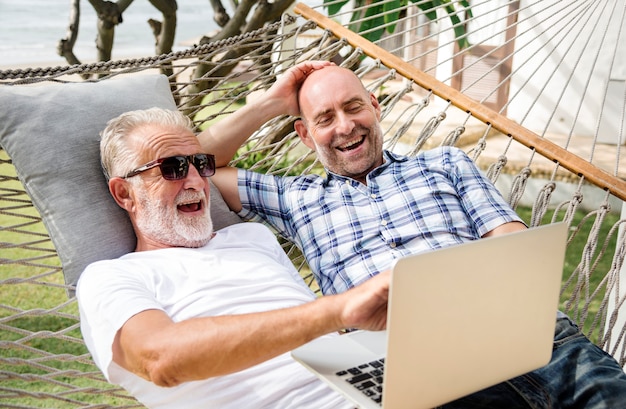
x=537 y=99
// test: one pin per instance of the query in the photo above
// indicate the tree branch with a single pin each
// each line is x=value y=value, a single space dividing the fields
x=166 y=31
x=219 y=13
x=65 y=47
x=267 y=12
x=222 y=67
x=109 y=15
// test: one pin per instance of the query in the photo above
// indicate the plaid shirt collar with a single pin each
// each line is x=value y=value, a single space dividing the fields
x=388 y=158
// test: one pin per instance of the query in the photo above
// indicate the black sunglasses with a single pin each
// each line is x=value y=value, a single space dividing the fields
x=177 y=167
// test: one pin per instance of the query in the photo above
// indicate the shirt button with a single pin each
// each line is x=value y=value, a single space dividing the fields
x=392 y=245
x=373 y=195
x=383 y=223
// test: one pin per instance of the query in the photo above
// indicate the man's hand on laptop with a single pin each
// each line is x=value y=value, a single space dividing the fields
x=365 y=306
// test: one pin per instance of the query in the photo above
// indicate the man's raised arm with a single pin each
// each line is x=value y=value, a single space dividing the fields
x=225 y=137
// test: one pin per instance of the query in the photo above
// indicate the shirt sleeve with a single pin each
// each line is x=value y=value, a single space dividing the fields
x=107 y=297
x=482 y=201
x=263 y=200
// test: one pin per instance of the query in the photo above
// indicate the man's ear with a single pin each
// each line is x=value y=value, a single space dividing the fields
x=120 y=190
x=303 y=133
x=376 y=105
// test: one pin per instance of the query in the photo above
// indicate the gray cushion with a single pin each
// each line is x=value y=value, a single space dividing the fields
x=51 y=132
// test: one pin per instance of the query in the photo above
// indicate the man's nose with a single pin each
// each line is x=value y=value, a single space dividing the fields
x=194 y=180
x=345 y=124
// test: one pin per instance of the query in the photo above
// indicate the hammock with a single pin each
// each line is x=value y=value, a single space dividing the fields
x=537 y=99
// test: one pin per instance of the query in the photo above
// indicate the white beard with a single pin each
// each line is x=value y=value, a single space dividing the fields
x=166 y=225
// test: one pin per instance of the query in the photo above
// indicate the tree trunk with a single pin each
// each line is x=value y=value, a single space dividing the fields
x=65 y=47
x=264 y=13
x=109 y=15
x=166 y=31
x=220 y=16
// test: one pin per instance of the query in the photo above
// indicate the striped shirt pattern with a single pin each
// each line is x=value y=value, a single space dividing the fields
x=349 y=232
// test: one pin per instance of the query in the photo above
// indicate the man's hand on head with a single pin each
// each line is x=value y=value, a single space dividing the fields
x=285 y=89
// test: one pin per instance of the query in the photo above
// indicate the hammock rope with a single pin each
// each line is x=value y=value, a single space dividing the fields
x=428 y=98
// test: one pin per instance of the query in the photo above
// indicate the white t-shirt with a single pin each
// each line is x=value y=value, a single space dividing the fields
x=241 y=270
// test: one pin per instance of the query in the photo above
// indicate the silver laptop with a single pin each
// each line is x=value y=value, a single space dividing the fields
x=460 y=319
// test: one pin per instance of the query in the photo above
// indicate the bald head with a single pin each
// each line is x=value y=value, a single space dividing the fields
x=326 y=83
x=341 y=122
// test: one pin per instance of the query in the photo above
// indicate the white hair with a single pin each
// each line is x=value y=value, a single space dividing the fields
x=116 y=157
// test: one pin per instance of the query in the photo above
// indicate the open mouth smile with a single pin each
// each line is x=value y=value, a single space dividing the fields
x=190 y=207
x=353 y=144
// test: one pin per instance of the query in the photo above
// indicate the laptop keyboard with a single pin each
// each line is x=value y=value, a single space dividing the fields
x=368 y=378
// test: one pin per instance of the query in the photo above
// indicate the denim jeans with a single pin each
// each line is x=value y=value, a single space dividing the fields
x=579 y=375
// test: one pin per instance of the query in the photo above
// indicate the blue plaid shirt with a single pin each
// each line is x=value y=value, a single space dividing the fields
x=349 y=232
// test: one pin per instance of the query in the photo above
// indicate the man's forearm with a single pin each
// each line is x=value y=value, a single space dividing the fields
x=168 y=353
x=224 y=138
x=154 y=347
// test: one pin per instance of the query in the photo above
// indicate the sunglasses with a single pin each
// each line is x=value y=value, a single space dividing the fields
x=177 y=167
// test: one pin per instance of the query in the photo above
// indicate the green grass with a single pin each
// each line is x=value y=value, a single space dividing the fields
x=219 y=103
x=35 y=336
x=600 y=262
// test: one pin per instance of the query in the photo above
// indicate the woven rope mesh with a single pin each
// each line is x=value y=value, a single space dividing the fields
x=43 y=361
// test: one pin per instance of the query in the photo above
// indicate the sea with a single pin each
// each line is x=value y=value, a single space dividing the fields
x=31 y=29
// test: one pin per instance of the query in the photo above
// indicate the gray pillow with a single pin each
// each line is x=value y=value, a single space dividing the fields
x=51 y=132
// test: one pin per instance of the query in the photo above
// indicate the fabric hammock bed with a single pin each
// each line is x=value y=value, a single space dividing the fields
x=517 y=99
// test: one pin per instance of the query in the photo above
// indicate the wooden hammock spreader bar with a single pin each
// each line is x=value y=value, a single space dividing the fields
x=548 y=149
